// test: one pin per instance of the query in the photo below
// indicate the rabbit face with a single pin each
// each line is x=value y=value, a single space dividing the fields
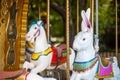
x=82 y=40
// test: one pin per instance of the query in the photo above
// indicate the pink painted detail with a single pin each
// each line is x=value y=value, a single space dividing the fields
x=88 y=24
x=105 y=72
x=87 y=21
x=26 y=75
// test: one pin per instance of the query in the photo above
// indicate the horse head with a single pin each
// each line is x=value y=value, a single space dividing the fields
x=84 y=39
x=35 y=29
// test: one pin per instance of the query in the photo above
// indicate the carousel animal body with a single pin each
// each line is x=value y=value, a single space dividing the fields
x=23 y=74
x=42 y=57
x=88 y=64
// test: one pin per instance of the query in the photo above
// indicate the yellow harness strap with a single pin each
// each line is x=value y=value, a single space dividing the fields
x=35 y=56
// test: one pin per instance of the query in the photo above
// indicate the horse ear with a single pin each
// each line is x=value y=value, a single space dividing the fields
x=41 y=23
x=85 y=25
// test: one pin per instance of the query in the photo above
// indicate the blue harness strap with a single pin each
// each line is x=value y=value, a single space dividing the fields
x=29 y=51
x=84 y=66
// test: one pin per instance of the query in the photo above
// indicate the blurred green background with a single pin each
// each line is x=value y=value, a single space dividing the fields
x=106 y=15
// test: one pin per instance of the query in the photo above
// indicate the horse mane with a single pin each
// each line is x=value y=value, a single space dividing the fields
x=36 y=22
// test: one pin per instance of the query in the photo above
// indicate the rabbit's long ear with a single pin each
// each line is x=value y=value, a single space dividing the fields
x=85 y=17
x=86 y=22
x=88 y=13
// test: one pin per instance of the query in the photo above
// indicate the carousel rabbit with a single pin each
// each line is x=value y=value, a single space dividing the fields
x=88 y=65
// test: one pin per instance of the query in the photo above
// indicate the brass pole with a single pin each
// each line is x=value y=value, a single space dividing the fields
x=67 y=38
x=39 y=10
x=116 y=28
x=78 y=16
x=48 y=19
x=92 y=12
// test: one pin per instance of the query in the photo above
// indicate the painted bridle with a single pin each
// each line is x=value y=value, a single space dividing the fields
x=39 y=24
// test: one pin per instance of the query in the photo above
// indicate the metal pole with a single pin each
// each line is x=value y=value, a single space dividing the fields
x=78 y=15
x=48 y=19
x=97 y=33
x=92 y=12
x=97 y=17
x=67 y=38
x=39 y=10
x=116 y=28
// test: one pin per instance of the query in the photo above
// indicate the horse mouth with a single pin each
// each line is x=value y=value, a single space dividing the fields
x=29 y=39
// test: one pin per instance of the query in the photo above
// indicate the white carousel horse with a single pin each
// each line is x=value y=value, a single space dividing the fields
x=42 y=57
x=88 y=64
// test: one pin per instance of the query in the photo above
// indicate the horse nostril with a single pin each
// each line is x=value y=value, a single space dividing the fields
x=28 y=36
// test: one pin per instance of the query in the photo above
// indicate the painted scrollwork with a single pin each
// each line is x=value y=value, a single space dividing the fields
x=11 y=35
x=13 y=26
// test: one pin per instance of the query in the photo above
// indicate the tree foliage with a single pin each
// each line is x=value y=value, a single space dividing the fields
x=58 y=18
x=107 y=24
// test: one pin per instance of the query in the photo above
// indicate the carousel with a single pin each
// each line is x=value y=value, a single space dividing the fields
x=27 y=52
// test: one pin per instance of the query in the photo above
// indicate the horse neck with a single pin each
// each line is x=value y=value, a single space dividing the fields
x=41 y=43
x=85 y=54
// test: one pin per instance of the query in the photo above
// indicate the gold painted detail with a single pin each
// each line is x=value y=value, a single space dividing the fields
x=35 y=56
x=24 y=15
x=30 y=45
x=4 y=18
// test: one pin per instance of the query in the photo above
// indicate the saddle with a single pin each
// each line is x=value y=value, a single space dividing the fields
x=11 y=74
x=105 y=61
x=105 y=69
x=59 y=55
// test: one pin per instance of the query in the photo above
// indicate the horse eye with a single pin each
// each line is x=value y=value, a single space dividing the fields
x=35 y=28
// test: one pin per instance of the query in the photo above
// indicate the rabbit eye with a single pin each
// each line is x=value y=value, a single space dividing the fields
x=83 y=39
